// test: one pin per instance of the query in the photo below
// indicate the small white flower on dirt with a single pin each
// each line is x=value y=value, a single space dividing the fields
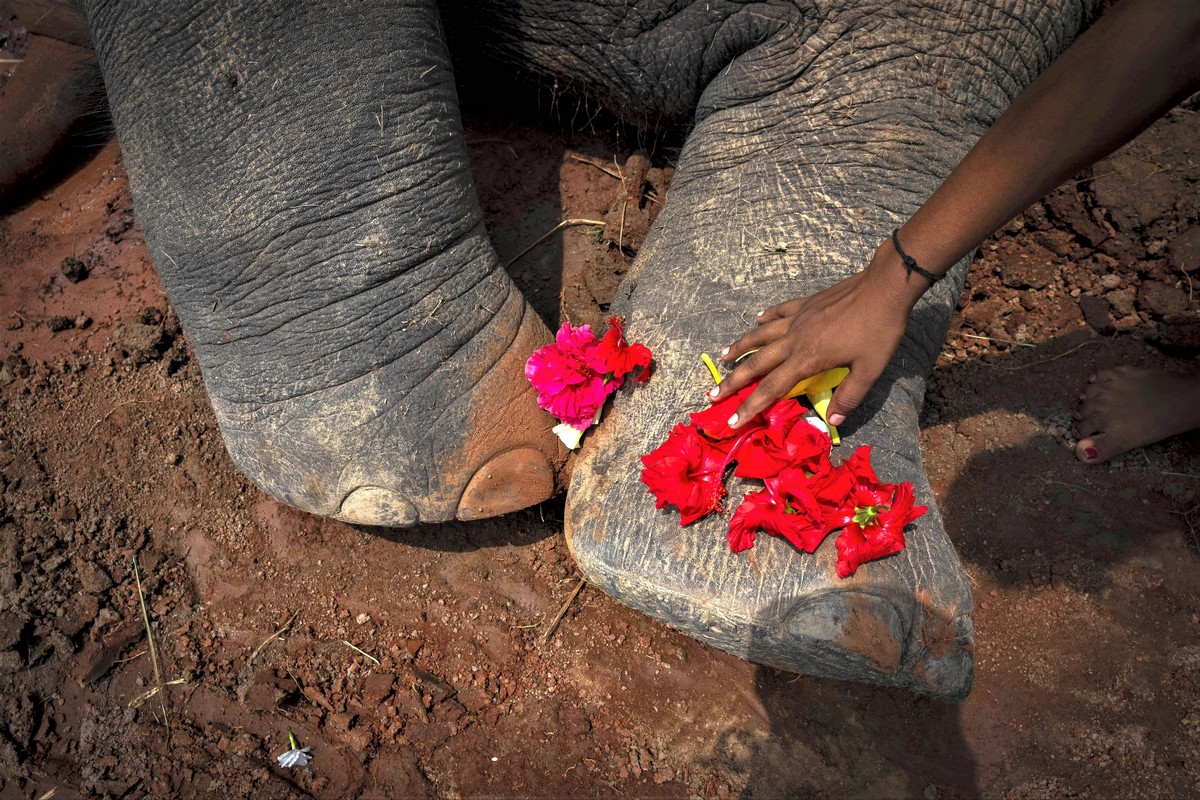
x=295 y=758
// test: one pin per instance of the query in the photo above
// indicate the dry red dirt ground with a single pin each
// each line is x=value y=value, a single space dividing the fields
x=415 y=663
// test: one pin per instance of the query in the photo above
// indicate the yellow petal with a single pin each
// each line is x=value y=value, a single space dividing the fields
x=822 y=382
x=820 y=404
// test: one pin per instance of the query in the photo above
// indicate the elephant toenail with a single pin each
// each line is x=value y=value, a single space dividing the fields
x=1092 y=453
x=849 y=626
x=374 y=505
x=509 y=482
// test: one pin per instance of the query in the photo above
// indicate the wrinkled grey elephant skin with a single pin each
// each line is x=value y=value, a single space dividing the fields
x=824 y=134
x=317 y=230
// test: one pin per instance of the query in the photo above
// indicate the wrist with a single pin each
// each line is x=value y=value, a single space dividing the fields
x=890 y=278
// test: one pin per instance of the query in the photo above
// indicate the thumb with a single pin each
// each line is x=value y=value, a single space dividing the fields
x=849 y=394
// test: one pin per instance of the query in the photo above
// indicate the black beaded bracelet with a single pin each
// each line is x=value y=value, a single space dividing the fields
x=910 y=263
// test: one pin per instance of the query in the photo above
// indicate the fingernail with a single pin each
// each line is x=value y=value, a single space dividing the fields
x=732 y=421
x=1092 y=453
x=714 y=392
x=837 y=419
x=762 y=313
x=725 y=352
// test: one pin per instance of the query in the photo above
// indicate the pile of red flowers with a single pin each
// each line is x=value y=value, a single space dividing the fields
x=576 y=373
x=805 y=497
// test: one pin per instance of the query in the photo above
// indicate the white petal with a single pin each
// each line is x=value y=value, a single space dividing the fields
x=818 y=423
x=295 y=758
x=570 y=435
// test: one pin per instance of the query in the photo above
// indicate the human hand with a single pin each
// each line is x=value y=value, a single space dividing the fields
x=857 y=323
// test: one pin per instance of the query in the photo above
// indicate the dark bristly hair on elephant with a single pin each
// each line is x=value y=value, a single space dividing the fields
x=315 y=224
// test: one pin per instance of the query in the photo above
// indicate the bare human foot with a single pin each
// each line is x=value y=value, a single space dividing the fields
x=1128 y=407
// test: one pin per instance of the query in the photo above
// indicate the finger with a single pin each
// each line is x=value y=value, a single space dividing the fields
x=849 y=395
x=780 y=310
x=758 y=363
x=773 y=386
x=754 y=339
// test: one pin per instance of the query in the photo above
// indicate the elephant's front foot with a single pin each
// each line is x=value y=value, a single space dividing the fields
x=903 y=620
x=445 y=430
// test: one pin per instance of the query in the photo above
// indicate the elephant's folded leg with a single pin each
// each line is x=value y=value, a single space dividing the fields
x=806 y=153
x=314 y=221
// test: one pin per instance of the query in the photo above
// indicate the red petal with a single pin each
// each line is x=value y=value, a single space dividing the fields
x=855 y=548
x=686 y=471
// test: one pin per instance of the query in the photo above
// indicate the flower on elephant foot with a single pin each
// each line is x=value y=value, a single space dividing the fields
x=805 y=496
x=575 y=374
x=688 y=472
x=784 y=508
x=876 y=527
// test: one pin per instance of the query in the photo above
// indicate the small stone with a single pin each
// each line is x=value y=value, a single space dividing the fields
x=1180 y=330
x=74 y=269
x=141 y=342
x=83 y=322
x=58 y=324
x=1095 y=312
x=1184 y=250
x=363 y=618
x=1110 y=281
x=15 y=323
x=1122 y=301
x=377 y=688
x=93 y=579
x=1032 y=268
x=1160 y=299
x=10 y=661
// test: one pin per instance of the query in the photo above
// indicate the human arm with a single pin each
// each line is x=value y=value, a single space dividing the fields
x=1134 y=64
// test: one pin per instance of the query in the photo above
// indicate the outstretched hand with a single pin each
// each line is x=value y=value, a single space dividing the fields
x=857 y=323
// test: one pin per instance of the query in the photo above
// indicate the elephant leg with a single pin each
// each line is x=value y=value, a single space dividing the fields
x=808 y=148
x=51 y=106
x=315 y=224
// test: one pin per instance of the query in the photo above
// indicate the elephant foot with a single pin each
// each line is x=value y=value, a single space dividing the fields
x=901 y=621
x=467 y=442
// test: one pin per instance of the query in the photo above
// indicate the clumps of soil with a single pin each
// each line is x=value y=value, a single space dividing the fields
x=74 y=270
x=590 y=282
x=1115 y=249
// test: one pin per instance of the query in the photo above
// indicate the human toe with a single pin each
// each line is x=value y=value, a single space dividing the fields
x=1092 y=450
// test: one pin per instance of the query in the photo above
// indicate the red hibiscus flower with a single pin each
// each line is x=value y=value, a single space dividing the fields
x=688 y=472
x=805 y=495
x=877 y=530
x=618 y=359
x=784 y=508
x=713 y=421
x=787 y=441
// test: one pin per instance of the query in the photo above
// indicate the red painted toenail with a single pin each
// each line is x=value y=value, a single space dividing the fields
x=1092 y=453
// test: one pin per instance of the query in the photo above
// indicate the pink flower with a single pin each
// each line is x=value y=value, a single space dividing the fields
x=563 y=373
x=576 y=374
